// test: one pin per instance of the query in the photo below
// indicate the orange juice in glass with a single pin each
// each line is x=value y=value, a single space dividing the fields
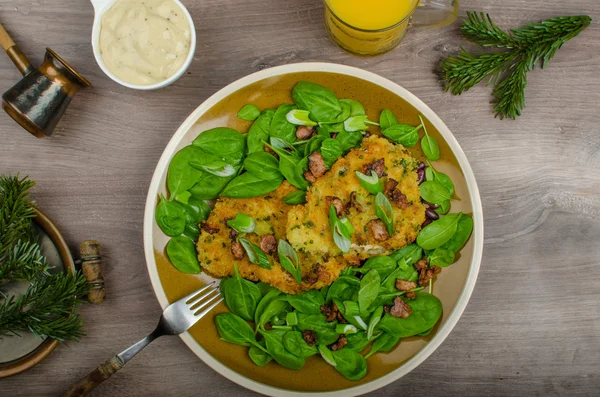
x=371 y=27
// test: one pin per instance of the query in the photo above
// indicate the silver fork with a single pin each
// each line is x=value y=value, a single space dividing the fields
x=177 y=318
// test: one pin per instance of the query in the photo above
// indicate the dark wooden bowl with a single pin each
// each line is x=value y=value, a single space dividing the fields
x=42 y=351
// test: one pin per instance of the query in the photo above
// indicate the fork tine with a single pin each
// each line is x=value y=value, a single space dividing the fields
x=203 y=304
x=190 y=296
x=193 y=304
x=199 y=315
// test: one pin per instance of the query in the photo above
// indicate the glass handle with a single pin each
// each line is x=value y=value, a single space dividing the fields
x=435 y=13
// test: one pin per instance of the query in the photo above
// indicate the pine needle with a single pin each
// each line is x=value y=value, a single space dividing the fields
x=524 y=48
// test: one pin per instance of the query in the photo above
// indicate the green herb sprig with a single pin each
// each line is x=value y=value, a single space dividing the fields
x=525 y=48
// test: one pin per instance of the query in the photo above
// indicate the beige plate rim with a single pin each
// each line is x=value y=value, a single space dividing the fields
x=423 y=109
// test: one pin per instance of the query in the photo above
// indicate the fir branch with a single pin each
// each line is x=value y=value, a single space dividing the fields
x=25 y=262
x=525 y=47
x=16 y=212
x=46 y=308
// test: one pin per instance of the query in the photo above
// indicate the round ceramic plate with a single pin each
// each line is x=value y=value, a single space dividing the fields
x=268 y=89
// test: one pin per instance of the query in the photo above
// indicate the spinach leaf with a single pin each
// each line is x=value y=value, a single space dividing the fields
x=258 y=356
x=326 y=355
x=350 y=364
x=356 y=108
x=268 y=297
x=242 y=296
x=434 y=192
x=276 y=306
x=387 y=119
x=191 y=231
x=264 y=289
x=222 y=142
x=357 y=342
x=248 y=185
x=349 y=140
x=356 y=123
x=288 y=259
x=295 y=344
x=170 y=217
x=426 y=311
x=325 y=331
x=369 y=289
x=384 y=265
x=384 y=343
x=351 y=316
x=438 y=232
x=234 y=329
x=209 y=186
x=411 y=254
x=249 y=112
x=444 y=208
x=262 y=165
x=215 y=167
x=320 y=101
x=403 y=134
x=441 y=257
x=280 y=127
x=182 y=254
x=331 y=150
x=314 y=144
x=181 y=176
x=255 y=253
x=344 y=288
x=404 y=271
x=297 y=197
x=274 y=342
x=383 y=210
x=259 y=131
x=308 y=302
x=199 y=209
x=463 y=232
x=291 y=169
x=429 y=145
x=439 y=177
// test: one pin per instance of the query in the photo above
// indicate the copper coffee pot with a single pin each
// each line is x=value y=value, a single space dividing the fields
x=40 y=98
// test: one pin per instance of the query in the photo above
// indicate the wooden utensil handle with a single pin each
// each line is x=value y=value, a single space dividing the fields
x=14 y=52
x=94 y=378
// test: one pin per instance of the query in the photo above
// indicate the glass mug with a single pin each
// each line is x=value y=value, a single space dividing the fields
x=371 y=27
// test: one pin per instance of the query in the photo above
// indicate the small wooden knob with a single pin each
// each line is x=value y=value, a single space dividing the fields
x=91 y=266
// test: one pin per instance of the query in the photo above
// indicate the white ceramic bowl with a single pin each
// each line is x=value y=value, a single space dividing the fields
x=100 y=7
x=155 y=240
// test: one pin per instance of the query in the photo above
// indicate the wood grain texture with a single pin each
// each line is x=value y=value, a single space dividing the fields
x=532 y=326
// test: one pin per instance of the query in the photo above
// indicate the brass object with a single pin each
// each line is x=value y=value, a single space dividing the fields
x=91 y=266
x=41 y=97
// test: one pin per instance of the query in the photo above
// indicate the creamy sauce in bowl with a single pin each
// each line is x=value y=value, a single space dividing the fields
x=144 y=42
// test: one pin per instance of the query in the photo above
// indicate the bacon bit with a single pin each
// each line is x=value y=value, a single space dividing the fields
x=337 y=204
x=309 y=177
x=410 y=295
x=400 y=308
x=316 y=164
x=399 y=198
x=378 y=230
x=354 y=203
x=421 y=264
x=305 y=132
x=210 y=229
x=237 y=250
x=390 y=186
x=268 y=244
x=426 y=273
x=309 y=337
x=330 y=312
x=323 y=275
x=404 y=285
x=233 y=234
x=341 y=342
x=377 y=166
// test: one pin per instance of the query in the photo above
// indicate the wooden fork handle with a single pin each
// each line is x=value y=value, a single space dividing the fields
x=94 y=378
x=14 y=52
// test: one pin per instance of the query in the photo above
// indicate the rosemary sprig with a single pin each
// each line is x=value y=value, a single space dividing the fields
x=47 y=307
x=524 y=48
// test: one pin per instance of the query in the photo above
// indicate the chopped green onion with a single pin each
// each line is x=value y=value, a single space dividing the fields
x=345 y=329
x=384 y=211
x=283 y=327
x=297 y=197
x=327 y=355
x=341 y=236
x=288 y=258
x=346 y=222
x=256 y=255
x=371 y=183
x=360 y=322
x=242 y=223
x=291 y=318
x=216 y=167
x=300 y=117
x=352 y=308
x=373 y=321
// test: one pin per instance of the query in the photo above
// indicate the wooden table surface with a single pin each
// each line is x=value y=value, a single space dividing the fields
x=532 y=326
